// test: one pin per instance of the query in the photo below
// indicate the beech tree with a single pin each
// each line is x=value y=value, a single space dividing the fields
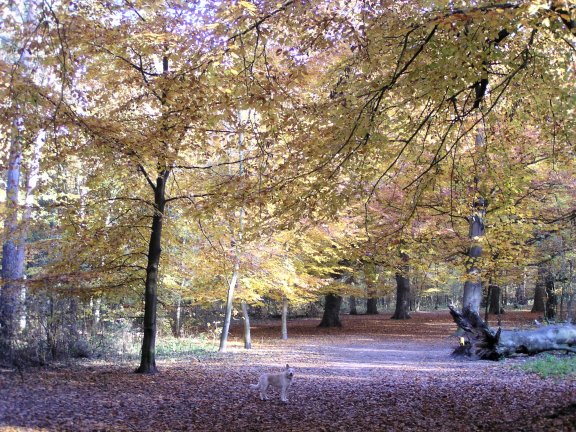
x=434 y=138
x=23 y=136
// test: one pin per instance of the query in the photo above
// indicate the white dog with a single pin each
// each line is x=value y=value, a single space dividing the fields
x=279 y=381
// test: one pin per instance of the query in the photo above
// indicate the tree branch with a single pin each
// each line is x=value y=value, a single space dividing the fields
x=260 y=21
x=146 y=176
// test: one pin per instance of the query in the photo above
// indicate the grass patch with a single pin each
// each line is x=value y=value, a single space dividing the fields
x=127 y=346
x=174 y=348
x=550 y=366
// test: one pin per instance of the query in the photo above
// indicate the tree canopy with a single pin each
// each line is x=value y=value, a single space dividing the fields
x=297 y=138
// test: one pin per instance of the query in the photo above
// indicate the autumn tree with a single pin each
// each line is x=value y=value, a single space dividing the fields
x=426 y=144
x=26 y=72
x=149 y=60
x=146 y=97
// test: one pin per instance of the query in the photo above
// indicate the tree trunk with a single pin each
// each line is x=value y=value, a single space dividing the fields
x=569 y=308
x=481 y=342
x=148 y=357
x=521 y=292
x=353 y=310
x=13 y=249
x=228 y=311
x=96 y=304
x=331 y=317
x=246 y=317
x=235 y=240
x=402 y=292
x=402 y=297
x=473 y=286
x=540 y=291
x=51 y=341
x=31 y=183
x=177 y=318
x=372 y=306
x=285 y=319
x=551 y=297
x=494 y=304
x=472 y=296
x=12 y=257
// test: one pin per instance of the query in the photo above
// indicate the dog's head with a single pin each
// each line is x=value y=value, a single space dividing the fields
x=289 y=372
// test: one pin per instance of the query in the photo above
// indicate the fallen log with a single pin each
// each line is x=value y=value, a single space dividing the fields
x=481 y=342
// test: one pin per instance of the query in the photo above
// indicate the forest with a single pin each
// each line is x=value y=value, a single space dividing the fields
x=179 y=169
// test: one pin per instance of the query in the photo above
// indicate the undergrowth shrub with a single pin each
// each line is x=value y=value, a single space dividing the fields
x=549 y=365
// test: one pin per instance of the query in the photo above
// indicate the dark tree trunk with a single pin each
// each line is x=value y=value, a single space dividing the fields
x=540 y=291
x=494 y=304
x=148 y=357
x=539 y=296
x=402 y=297
x=247 y=335
x=402 y=292
x=551 y=297
x=372 y=306
x=483 y=343
x=353 y=310
x=331 y=316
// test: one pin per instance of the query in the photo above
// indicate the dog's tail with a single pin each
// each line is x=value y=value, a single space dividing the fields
x=254 y=386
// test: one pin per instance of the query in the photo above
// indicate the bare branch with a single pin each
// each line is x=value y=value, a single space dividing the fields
x=146 y=176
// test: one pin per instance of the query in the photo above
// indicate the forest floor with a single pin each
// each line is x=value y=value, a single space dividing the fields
x=374 y=374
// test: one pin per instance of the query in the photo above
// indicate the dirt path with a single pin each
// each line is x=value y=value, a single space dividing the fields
x=372 y=375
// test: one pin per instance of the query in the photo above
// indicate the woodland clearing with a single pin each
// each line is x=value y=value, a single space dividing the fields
x=373 y=374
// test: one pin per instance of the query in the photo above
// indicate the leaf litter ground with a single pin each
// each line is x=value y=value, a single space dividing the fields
x=374 y=374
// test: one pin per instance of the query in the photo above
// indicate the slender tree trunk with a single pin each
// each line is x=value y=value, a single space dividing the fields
x=551 y=297
x=331 y=317
x=402 y=291
x=540 y=291
x=148 y=357
x=247 y=335
x=495 y=306
x=96 y=304
x=177 y=318
x=353 y=309
x=236 y=242
x=228 y=309
x=521 y=292
x=570 y=308
x=285 y=319
x=571 y=294
x=51 y=340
